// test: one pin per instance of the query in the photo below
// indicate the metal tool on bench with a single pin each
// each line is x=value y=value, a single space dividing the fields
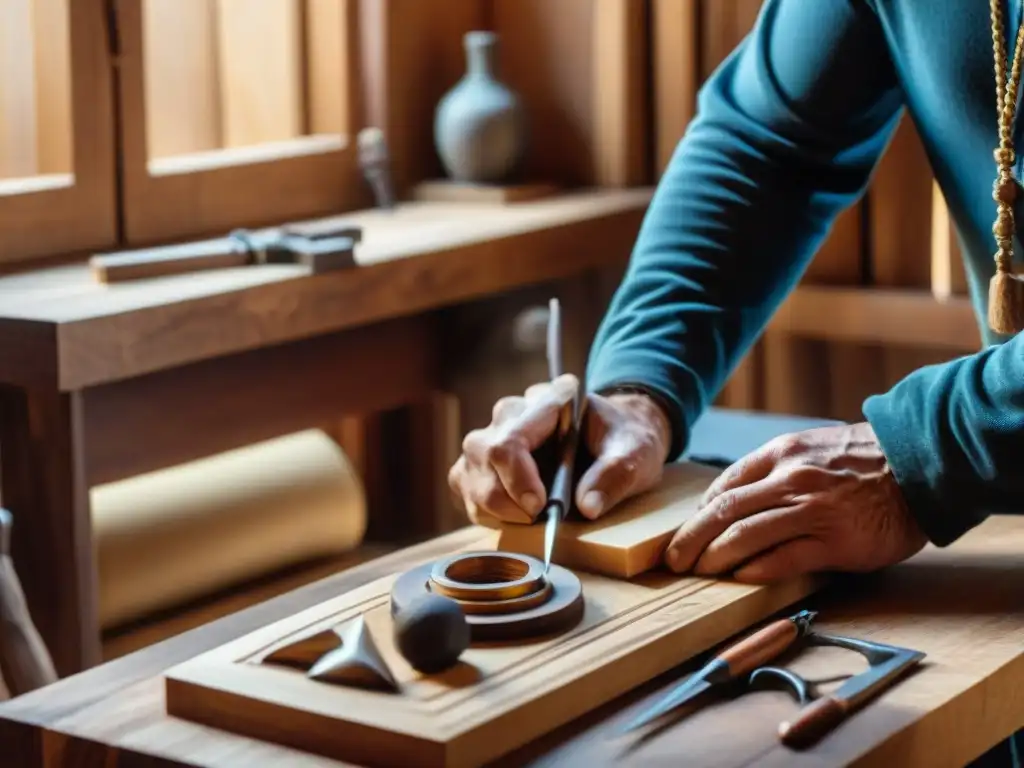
x=321 y=252
x=820 y=714
x=25 y=662
x=560 y=493
x=743 y=662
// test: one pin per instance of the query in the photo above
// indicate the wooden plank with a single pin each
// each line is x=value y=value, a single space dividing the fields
x=879 y=316
x=675 y=27
x=18 y=141
x=948 y=277
x=633 y=631
x=256 y=396
x=328 y=73
x=261 y=87
x=418 y=258
x=621 y=104
x=547 y=55
x=183 y=113
x=627 y=541
x=52 y=46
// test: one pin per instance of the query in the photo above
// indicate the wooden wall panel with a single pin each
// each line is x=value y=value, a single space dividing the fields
x=547 y=55
x=18 y=142
x=261 y=83
x=52 y=62
x=675 y=30
x=181 y=77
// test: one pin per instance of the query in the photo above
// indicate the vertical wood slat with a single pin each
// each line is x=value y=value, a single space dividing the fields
x=18 y=141
x=52 y=43
x=948 y=277
x=182 y=82
x=327 y=83
x=675 y=27
x=259 y=56
x=622 y=130
x=547 y=55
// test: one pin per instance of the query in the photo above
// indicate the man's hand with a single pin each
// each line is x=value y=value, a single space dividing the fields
x=823 y=499
x=627 y=435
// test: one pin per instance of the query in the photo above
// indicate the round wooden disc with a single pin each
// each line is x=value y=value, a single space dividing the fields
x=562 y=611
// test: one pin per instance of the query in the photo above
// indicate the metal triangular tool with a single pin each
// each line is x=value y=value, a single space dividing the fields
x=356 y=661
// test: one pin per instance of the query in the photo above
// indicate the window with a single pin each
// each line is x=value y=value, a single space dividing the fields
x=235 y=111
x=57 y=169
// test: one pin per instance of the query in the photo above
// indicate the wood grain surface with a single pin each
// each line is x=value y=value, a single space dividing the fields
x=630 y=631
x=959 y=605
x=423 y=256
x=626 y=541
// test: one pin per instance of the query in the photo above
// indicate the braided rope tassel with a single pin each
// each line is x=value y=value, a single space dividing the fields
x=1006 y=290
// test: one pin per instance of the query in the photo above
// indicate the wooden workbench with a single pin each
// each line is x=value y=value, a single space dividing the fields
x=961 y=606
x=101 y=382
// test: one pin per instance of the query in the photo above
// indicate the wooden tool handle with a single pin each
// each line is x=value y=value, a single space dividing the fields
x=169 y=260
x=25 y=662
x=813 y=722
x=761 y=647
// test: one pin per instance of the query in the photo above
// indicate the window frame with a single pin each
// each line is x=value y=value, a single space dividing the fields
x=58 y=214
x=211 y=193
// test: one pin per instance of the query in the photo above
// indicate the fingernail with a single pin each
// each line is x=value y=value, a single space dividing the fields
x=530 y=502
x=593 y=504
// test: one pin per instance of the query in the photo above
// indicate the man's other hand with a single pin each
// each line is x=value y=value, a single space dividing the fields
x=627 y=435
x=818 y=500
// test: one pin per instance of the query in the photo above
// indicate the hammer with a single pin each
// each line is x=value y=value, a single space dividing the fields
x=25 y=663
x=322 y=252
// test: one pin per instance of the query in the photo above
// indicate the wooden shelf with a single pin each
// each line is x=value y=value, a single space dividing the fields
x=883 y=316
x=61 y=323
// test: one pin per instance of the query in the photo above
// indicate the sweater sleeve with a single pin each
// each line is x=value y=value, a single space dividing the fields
x=954 y=436
x=787 y=132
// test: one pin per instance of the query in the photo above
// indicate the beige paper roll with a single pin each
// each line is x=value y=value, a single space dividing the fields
x=179 y=533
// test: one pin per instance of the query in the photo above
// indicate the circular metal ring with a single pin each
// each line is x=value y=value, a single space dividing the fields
x=516 y=604
x=487 y=576
x=492 y=620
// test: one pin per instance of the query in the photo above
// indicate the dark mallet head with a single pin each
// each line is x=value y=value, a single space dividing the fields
x=431 y=633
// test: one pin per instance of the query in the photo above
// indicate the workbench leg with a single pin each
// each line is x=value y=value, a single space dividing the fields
x=42 y=468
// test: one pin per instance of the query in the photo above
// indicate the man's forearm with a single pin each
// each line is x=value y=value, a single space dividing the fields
x=784 y=140
x=954 y=437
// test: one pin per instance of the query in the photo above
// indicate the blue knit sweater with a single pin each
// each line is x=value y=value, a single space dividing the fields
x=788 y=131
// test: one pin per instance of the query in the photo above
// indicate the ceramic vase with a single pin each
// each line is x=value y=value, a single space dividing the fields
x=479 y=125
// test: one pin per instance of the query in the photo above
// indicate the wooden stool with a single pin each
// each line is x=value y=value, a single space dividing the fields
x=25 y=663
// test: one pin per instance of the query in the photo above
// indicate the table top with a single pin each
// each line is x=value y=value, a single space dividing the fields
x=960 y=605
x=420 y=256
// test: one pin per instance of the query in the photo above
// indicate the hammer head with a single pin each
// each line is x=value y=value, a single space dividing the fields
x=324 y=253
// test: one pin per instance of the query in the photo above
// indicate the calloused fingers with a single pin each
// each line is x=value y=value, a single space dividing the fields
x=711 y=521
x=752 y=537
x=798 y=557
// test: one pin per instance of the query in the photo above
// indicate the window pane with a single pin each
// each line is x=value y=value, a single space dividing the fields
x=241 y=80
x=35 y=95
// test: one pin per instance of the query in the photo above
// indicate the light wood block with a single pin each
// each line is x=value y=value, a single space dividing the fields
x=498 y=698
x=628 y=540
x=449 y=191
